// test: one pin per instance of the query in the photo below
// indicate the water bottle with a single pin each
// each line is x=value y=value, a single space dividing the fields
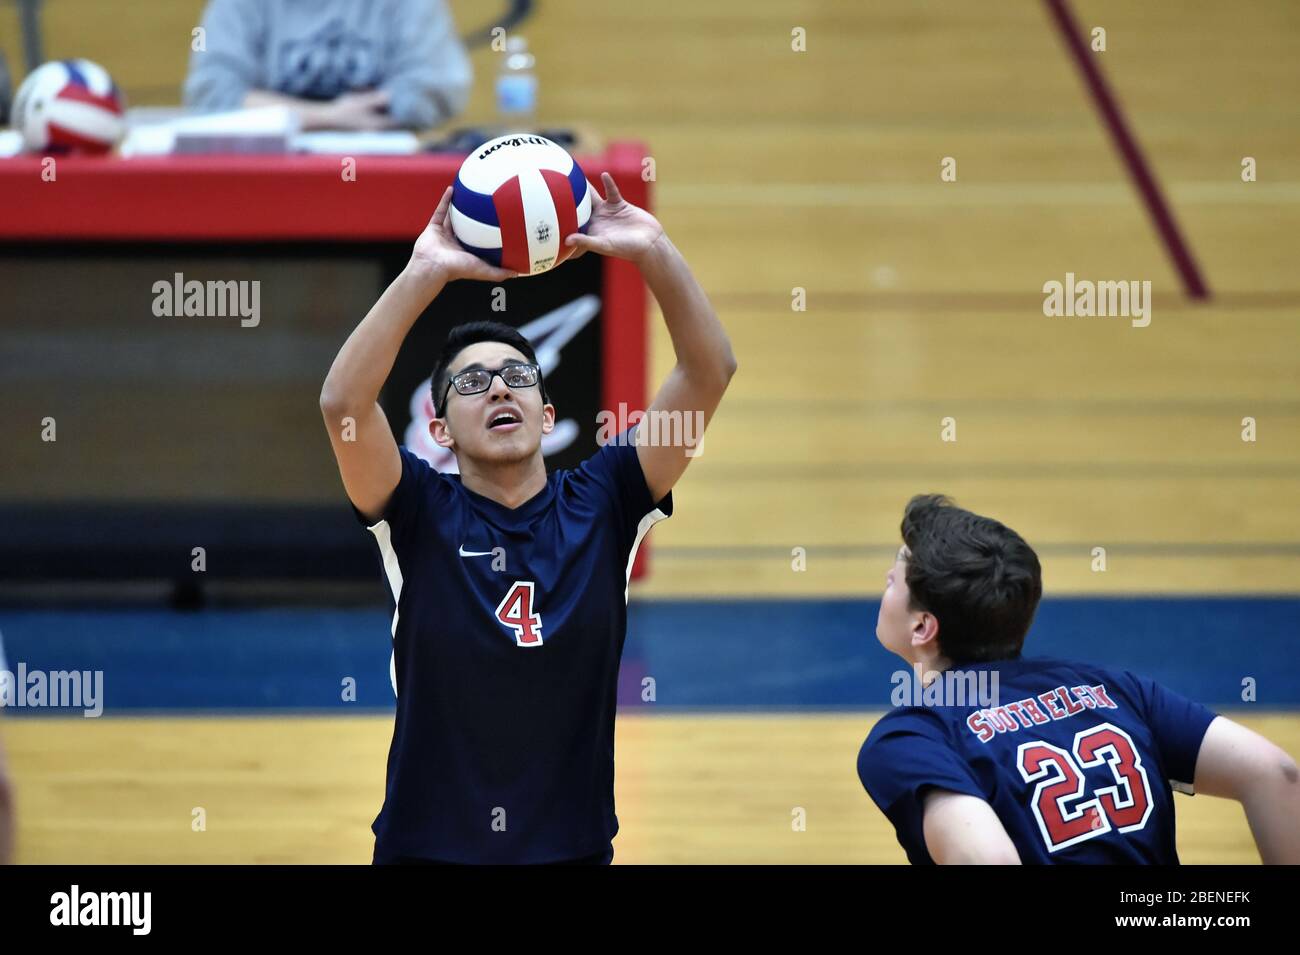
x=516 y=87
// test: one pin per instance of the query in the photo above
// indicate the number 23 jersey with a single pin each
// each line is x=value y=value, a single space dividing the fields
x=1077 y=761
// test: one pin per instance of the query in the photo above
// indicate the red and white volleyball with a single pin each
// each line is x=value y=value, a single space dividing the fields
x=69 y=106
x=515 y=201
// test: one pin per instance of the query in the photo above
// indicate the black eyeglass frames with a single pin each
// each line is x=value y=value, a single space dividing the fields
x=478 y=380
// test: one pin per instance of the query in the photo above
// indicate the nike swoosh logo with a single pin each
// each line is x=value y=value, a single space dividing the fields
x=474 y=553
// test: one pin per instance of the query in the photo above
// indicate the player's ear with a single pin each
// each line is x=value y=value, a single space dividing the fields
x=925 y=629
x=441 y=436
x=548 y=418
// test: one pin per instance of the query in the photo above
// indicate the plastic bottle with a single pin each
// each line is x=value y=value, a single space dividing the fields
x=517 y=87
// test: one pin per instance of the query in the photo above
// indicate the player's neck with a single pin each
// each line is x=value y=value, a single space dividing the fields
x=508 y=484
x=931 y=668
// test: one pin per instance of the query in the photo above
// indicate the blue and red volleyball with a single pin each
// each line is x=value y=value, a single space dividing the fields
x=516 y=199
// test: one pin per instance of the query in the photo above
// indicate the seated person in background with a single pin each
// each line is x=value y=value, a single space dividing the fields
x=342 y=64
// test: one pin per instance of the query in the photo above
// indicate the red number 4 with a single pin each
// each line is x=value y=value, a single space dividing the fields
x=516 y=612
x=1062 y=818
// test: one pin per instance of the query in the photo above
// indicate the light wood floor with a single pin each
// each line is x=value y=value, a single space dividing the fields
x=690 y=789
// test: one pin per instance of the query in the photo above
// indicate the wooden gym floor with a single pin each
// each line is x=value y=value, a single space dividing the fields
x=689 y=789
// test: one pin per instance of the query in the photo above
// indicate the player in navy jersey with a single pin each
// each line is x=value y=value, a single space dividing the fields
x=1071 y=763
x=510 y=585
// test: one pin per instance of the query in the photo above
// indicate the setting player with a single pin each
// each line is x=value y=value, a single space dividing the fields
x=510 y=585
x=1076 y=764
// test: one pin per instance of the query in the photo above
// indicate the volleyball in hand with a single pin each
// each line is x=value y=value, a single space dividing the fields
x=516 y=199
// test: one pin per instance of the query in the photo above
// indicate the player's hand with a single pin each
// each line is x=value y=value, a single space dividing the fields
x=617 y=227
x=438 y=257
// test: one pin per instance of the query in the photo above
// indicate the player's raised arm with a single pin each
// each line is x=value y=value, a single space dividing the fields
x=964 y=830
x=1238 y=763
x=705 y=362
x=349 y=400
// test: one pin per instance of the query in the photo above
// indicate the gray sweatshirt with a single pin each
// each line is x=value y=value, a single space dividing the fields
x=317 y=49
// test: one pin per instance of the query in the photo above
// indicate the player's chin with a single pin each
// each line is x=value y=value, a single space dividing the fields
x=882 y=635
x=511 y=447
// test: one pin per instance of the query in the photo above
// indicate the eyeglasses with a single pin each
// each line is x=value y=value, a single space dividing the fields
x=478 y=380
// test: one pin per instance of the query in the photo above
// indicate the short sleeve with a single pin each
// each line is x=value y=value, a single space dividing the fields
x=617 y=469
x=419 y=487
x=1178 y=726
x=906 y=754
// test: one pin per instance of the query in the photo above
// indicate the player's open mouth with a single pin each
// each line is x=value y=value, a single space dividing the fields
x=506 y=421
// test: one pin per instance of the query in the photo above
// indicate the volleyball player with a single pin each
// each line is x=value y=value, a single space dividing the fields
x=1075 y=762
x=509 y=583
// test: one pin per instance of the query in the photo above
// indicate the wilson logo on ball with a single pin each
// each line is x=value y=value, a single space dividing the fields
x=511 y=182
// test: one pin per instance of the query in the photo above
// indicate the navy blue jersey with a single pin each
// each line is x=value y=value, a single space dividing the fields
x=1077 y=761
x=507 y=633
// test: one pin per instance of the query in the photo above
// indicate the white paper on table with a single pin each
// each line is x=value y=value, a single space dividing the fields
x=387 y=142
x=261 y=129
x=156 y=140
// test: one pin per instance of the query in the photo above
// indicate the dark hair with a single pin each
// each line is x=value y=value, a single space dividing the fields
x=471 y=333
x=976 y=575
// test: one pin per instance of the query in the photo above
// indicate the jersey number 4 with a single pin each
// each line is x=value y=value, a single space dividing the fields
x=1064 y=818
x=516 y=612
